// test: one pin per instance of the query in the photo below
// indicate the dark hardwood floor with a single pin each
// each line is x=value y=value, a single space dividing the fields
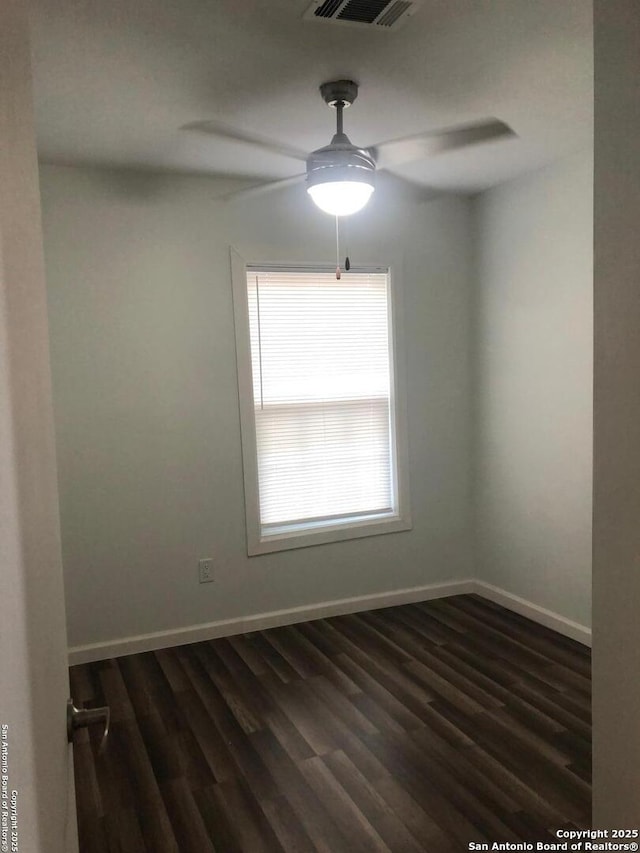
x=414 y=728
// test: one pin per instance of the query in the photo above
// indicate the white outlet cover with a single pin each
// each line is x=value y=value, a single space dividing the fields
x=205 y=570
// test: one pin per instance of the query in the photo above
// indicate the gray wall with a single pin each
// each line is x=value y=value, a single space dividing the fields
x=145 y=394
x=533 y=386
x=616 y=519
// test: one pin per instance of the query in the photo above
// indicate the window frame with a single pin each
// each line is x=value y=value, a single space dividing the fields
x=355 y=526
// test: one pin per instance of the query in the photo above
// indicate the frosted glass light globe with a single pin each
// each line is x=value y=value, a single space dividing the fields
x=341 y=198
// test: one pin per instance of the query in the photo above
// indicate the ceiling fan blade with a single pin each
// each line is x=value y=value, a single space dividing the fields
x=396 y=152
x=218 y=128
x=409 y=189
x=265 y=186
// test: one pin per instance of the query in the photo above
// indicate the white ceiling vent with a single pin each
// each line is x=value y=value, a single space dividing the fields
x=381 y=14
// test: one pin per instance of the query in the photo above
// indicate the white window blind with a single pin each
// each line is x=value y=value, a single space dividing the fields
x=321 y=368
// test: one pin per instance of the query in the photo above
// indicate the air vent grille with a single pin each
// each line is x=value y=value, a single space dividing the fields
x=386 y=14
x=393 y=13
x=327 y=9
x=364 y=11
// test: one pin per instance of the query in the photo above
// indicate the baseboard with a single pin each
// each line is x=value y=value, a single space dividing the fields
x=338 y=607
x=534 y=612
x=260 y=621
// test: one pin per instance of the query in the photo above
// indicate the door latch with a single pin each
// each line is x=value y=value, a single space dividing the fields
x=80 y=718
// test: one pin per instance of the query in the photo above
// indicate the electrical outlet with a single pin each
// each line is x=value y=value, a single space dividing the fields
x=205 y=570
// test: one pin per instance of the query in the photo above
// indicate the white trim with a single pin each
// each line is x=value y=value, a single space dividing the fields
x=245 y=396
x=290 y=616
x=257 y=541
x=322 y=267
x=261 y=621
x=532 y=611
x=399 y=425
x=351 y=529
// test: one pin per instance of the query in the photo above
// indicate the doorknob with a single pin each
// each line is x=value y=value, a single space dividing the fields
x=79 y=718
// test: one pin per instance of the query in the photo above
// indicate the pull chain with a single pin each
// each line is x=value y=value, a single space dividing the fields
x=347 y=262
x=338 y=272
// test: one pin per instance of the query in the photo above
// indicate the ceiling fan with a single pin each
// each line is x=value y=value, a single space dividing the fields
x=340 y=176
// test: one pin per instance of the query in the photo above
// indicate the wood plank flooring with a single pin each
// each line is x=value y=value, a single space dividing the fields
x=413 y=728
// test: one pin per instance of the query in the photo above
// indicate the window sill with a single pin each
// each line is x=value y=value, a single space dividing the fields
x=339 y=532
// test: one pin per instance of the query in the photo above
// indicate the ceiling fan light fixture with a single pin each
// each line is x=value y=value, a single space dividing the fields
x=341 y=198
x=340 y=177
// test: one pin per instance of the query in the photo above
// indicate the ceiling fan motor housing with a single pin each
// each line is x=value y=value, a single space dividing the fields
x=340 y=161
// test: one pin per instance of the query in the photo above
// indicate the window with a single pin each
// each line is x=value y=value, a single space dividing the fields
x=318 y=405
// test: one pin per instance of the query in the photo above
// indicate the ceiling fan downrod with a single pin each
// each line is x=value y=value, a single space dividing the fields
x=339 y=94
x=339 y=109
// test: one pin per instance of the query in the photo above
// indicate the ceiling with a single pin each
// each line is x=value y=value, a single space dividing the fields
x=115 y=81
